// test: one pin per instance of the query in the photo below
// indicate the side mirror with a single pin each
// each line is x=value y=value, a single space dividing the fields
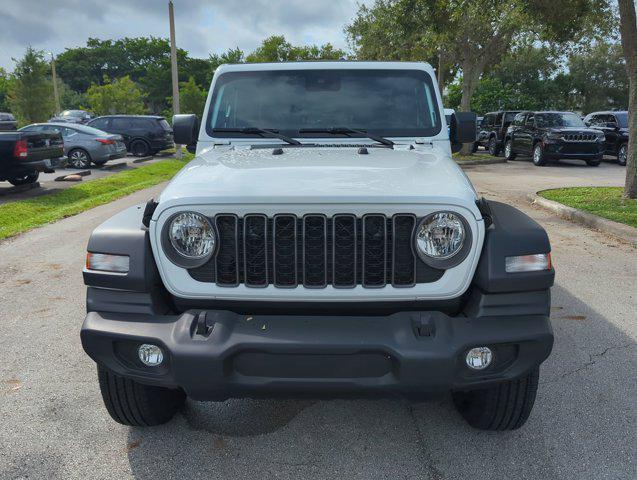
x=463 y=129
x=185 y=129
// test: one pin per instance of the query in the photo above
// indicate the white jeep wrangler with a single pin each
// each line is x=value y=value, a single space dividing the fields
x=322 y=243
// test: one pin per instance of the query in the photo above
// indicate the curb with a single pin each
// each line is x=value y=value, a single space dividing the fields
x=619 y=230
x=143 y=159
x=490 y=161
x=114 y=166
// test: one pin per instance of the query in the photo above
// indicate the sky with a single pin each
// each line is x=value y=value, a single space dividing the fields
x=202 y=27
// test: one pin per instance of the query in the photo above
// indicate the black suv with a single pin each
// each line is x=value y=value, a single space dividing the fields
x=549 y=136
x=143 y=134
x=492 y=130
x=614 y=125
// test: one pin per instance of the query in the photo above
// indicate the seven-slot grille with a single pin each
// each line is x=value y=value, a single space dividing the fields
x=315 y=251
x=579 y=137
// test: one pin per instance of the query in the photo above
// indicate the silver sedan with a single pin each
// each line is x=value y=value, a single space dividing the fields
x=83 y=144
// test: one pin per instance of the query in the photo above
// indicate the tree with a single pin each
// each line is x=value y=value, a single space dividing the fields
x=5 y=79
x=628 y=29
x=30 y=95
x=121 y=96
x=468 y=34
x=598 y=77
x=192 y=98
x=277 y=49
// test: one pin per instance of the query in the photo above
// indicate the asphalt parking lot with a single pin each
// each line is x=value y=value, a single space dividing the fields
x=583 y=426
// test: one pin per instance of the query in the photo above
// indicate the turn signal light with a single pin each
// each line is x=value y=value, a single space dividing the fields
x=528 y=263
x=105 y=262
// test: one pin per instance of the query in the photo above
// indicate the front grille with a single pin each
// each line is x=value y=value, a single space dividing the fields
x=315 y=251
x=579 y=137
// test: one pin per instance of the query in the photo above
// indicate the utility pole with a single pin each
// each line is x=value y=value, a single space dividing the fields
x=56 y=94
x=173 y=68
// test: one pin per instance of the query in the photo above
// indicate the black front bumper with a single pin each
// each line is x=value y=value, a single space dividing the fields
x=576 y=150
x=411 y=354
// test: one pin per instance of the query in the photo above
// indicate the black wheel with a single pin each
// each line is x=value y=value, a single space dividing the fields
x=493 y=147
x=593 y=163
x=474 y=147
x=538 y=155
x=79 y=158
x=24 y=179
x=622 y=154
x=135 y=404
x=508 y=150
x=505 y=406
x=139 y=148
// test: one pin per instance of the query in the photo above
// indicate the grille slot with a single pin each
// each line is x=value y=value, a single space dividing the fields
x=284 y=255
x=227 y=265
x=404 y=259
x=315 y=251
x=255 y=252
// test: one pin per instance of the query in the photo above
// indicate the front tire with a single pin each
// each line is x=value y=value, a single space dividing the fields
x=24 y=179
x=505 y=406
x=135 y=404
x=79 y=158
x=538 y=155
x=508 y=150
x=622 y=154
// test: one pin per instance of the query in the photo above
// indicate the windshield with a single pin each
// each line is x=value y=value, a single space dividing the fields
x=72 y=113
x=384 y=102
x=558 y=120
x=622 y=119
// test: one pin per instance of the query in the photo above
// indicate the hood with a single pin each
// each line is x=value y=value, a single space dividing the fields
x=244 y=175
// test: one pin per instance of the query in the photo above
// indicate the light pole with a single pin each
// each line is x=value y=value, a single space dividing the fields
x=56 y=94
x=173 y=68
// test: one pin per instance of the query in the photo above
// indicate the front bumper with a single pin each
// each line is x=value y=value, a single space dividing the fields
x=565 y=150
x=413 y=354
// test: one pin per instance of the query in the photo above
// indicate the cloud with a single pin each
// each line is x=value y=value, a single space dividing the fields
x=202 y=27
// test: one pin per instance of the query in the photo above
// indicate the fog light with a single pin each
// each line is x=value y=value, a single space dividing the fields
x=150 y=355
x=479 y=358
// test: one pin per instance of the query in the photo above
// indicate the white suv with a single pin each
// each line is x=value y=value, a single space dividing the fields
x=323 y=242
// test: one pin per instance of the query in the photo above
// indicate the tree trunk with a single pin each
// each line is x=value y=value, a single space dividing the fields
x=470 y=77
x=628 y=29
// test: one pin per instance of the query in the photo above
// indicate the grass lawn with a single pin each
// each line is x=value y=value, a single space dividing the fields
x=606 y=202
x=19 y=216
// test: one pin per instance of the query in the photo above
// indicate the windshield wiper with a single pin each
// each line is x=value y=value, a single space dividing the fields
x=259 y=131
x=348 y=131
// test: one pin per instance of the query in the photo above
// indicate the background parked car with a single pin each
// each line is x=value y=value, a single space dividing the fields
x=71 y=116
x=615 y=128
x=84 y=144
x=23 y=155
x=7 y=122
x=492 y=130
x=143 y=134
x=553 y=136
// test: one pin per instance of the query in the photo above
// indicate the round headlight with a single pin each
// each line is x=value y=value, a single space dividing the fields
x=441 y=236
x=191 y=235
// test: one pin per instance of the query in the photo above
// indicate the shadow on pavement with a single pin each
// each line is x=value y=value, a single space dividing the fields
x=583 y=426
